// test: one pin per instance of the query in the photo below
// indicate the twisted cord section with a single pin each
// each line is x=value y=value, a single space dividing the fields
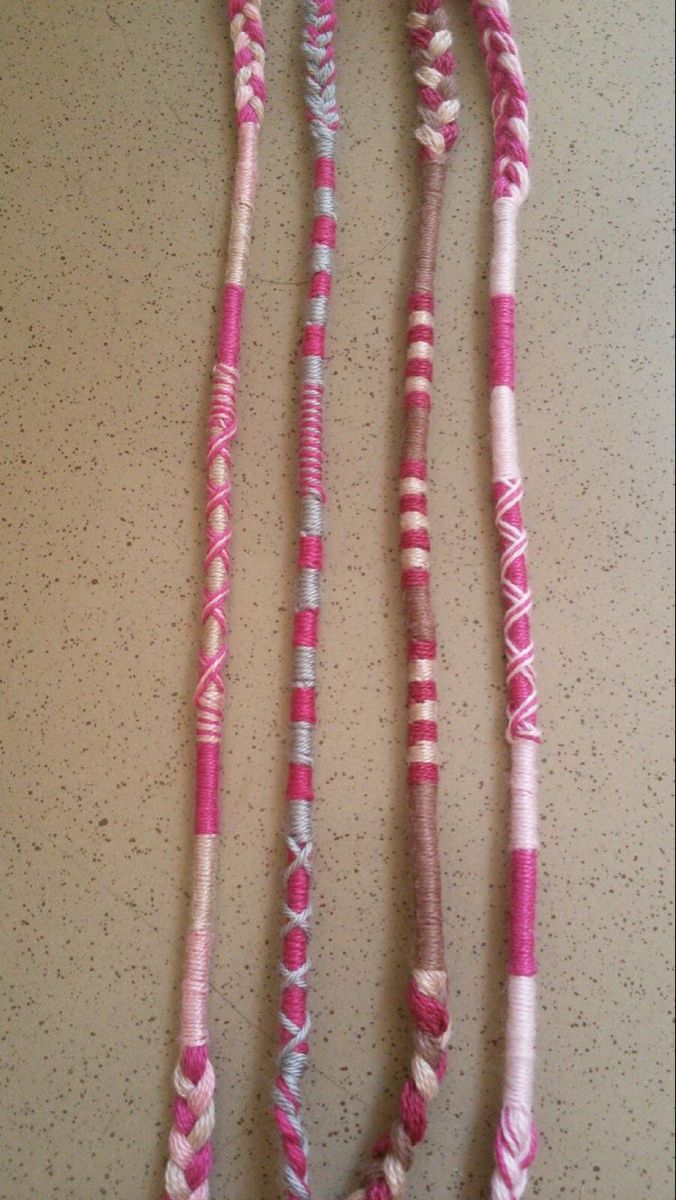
x=434 y=67
x=386 y=1178
x=516 y=1137
x=248 y=40
x=294 y=1021
x=190 y=1152
x=510 y=99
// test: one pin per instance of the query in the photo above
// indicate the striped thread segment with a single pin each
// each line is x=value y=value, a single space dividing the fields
x=190 y=1154
x=386 y=1178
x=516 y=1137
x=294 y=1021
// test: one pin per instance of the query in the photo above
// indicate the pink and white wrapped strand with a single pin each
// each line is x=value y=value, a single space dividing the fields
x=190 y=1154
x=516 y=1138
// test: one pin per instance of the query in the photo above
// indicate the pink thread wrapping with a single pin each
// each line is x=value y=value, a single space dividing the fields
x=229 y=333
x=324 y=174
x=422 y=301
x=306 y=627
x=320 y=284
x=299 y=784
x=418 y=399
x=303 y=705
x=522 y=924
x=502 y=356
x=324 y=232
x=311 y=553
x=207 y=808
x=313 y=340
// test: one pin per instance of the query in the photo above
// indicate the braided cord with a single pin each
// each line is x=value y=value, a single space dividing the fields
x=294 y=1023
x=386 y=1178
x=190 y=1153
x=516 y=1138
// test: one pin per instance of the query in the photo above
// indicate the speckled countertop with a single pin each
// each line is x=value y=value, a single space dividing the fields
x=119 y=154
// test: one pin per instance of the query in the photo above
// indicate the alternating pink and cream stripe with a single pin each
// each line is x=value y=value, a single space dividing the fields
x=516 y=1139
x=323 y=119
x=386 y=1178
x=190 y=1154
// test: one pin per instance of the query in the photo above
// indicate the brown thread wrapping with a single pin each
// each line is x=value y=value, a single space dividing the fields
x=386 y=1178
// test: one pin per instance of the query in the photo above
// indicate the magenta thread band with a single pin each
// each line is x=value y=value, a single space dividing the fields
x=516 y=1137
x=189 y=1159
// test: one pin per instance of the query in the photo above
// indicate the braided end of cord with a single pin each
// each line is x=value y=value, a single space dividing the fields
x=320 y=67
x=393 y=1154
x=438 y=105
x=510 y=99
x=248 y=39
x=516 y=1144
x=190 y=1154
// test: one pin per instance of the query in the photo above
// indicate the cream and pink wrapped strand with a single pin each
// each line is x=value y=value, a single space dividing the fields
x=190 y=1154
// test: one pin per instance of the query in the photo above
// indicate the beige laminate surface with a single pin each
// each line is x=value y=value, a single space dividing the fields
x=118 y=145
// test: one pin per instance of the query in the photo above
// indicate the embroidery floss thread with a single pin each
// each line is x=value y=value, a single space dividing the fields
x=190 y=1153
x=516 y=1138
x=386 y=1178
x=323 y=119
x=438 y=106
